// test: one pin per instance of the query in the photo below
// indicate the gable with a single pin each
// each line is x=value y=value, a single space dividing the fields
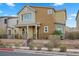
x=26 y=9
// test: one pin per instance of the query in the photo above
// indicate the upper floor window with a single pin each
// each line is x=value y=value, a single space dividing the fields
x=27 y=16
x=45 y=29
x=17 y=21
x=50 y=11
x=5 y=21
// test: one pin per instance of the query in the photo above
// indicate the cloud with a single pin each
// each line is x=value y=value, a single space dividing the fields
x=58 y=4
x=5 y=14
x=1 y=11
x=10 y=4
x=73 y=15
x=69 y=18
x=13 y=15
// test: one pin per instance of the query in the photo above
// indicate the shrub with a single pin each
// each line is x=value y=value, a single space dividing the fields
x=31 y=46
x=17 y=45
x=2 y=45
x=76 y=46
x=54 y=39
x=63 y=48
x=49 y=46
x=39 y=47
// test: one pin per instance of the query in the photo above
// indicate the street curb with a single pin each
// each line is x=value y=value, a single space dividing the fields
x=6 y=49
x=54 y=49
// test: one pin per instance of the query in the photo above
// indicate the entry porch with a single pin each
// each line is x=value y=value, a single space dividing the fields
x=30 y=31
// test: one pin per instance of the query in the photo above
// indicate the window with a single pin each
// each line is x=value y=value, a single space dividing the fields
x=5 y=21
x=27 y=17
x=59 y=28
x=15 y=31
x=17 y=21
x=45 y=29
x=50 y=11
x=9 y=31
x=23 y=31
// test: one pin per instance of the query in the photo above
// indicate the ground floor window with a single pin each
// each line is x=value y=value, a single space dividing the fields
x=45 y=29
x=9 y=31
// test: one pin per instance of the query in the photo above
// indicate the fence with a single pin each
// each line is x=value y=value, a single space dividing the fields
x=18 y=36
x=12 y=36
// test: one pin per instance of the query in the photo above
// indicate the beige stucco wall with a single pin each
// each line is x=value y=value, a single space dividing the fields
x=60 y=17
x=45 y=19
x=2 y=26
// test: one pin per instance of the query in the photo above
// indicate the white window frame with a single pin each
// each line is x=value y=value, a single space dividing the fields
x=45 y=28
x=50 y=11
x=27 y=19
x=59 y=27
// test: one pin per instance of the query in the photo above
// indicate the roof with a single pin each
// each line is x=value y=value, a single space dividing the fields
x=34 y=6
x=77 y=14
x=8 y=17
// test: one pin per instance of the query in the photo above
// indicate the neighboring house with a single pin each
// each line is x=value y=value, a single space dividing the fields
x=2 y=26
x=77 y=20
x=40 y=22
x=7 y=25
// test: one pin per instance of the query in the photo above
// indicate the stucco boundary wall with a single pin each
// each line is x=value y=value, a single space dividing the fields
x=67 y=42
x=12 y=41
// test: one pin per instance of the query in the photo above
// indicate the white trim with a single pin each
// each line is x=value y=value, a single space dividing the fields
x=45 y=28
x=49 y=11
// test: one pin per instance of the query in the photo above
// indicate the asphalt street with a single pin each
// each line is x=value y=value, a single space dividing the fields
x=32 y=53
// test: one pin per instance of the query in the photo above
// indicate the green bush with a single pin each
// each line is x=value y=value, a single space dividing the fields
x=56 y=32
x=31 y=46
x=63 y=48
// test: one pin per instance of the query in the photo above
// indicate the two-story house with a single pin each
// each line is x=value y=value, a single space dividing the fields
x=40 y=22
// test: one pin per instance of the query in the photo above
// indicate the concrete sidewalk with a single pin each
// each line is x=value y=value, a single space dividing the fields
x=48 y=52
x=54 y=49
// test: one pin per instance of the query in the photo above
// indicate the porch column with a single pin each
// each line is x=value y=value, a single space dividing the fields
x=27 y=32
x=36 y=31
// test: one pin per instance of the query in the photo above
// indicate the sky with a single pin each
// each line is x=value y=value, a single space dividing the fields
x=11 y=9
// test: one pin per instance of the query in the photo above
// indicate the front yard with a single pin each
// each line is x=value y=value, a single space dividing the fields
x=40 y=44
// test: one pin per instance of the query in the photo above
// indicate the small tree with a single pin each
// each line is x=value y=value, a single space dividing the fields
x=56 y=32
